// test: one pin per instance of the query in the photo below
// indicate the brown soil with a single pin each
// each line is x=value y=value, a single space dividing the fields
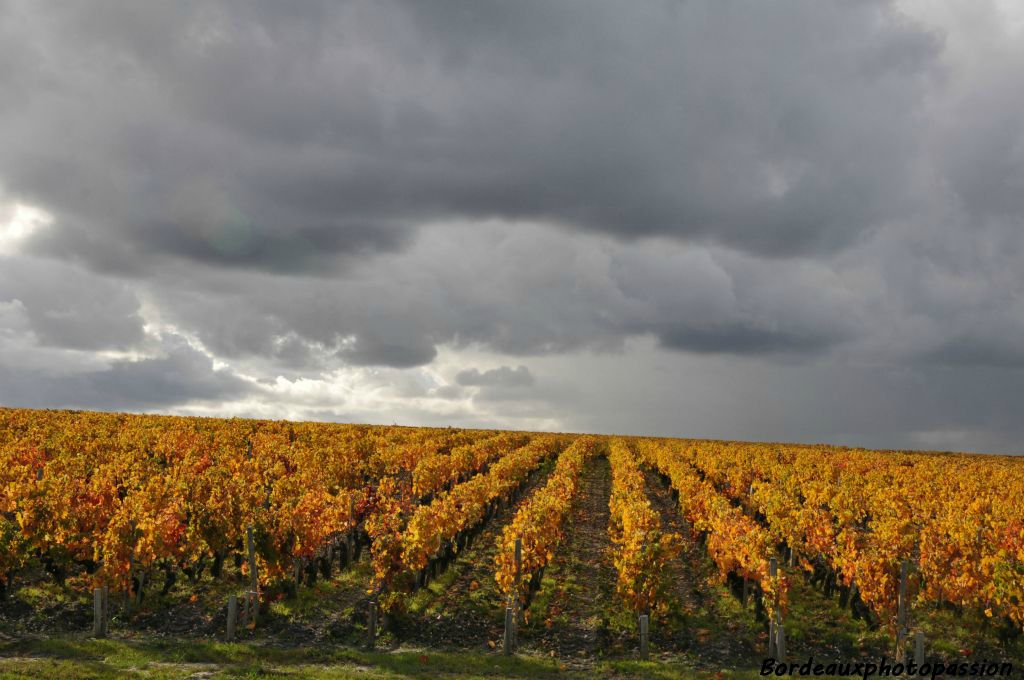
x=581 y=578
x=468 y=612
x=699 y=627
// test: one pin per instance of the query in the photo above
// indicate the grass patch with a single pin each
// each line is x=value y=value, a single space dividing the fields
x=69 y=657
x=80 y=659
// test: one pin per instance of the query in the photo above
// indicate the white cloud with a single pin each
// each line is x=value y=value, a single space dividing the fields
x=18 y=222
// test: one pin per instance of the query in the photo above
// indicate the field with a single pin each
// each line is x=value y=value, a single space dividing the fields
x=405 y=552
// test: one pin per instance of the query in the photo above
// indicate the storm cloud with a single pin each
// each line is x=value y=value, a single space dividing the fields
x=180 y=375
x=525 y=214
x=244 y=134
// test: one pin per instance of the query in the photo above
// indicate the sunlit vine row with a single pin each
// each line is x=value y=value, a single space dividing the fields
x=735 y=542
x=643 y=550
x=430 y=527
x=864 y=512
x=540 y=522
x=116 y=494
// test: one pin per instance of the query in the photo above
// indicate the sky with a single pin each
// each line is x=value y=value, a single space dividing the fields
x=786 y=221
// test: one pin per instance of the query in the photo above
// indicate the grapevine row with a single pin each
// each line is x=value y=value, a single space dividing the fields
x=540 y=522
x=862 y=513
x=444 y=469
x=735 y=542
x=407 y=543
x=643 y=551
x=117 y=495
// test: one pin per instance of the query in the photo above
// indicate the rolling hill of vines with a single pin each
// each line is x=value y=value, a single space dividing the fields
x=147 y=507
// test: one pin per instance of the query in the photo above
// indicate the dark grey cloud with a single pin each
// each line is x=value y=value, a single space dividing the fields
x=180 y=376
x=371 y=350
x=503 y=376
x=924 y=406
x=69 y=308
x=535 y=291
x=236 y=134
x=738 y=339
x=978 y=352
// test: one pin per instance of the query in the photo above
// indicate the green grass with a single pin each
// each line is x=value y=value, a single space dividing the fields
x=76 y=657
x=815 y=623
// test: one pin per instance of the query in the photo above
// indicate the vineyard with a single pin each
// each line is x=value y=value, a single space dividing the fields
x=697 y=554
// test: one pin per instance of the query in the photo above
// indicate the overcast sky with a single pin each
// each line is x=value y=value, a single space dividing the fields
x=798 y=221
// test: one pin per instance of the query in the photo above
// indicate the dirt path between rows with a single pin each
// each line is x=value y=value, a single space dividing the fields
x=569 y=616
x=463 y=608
x=706 y=623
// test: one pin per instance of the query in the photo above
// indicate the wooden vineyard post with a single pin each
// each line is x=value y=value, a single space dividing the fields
x=901 y=615
x=780 y=641
x=138 y=593
x=349 y=539
x=772 y=570
x=919 y=648
x=371 y=625
x=513 y=610
x=509 y=623
x=253 y=596
x=644 y=624
x=232 y=617
x=519 y=578
x=98 y=610
x=776 y=635
x=106 y=610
